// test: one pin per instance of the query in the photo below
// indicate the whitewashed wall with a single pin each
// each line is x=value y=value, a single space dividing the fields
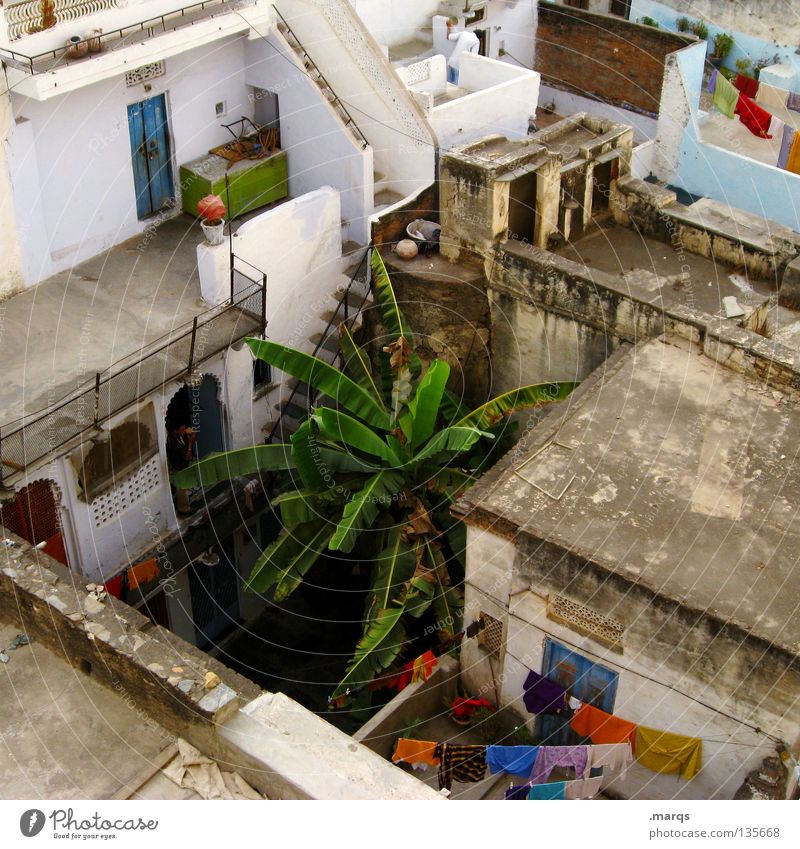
x=80 y=146
x=503 y=98
x=492 y=587
x=393 y=23
x=319 y=150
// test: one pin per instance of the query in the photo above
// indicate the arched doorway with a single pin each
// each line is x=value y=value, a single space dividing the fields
x=194 y=422
x=34 y=516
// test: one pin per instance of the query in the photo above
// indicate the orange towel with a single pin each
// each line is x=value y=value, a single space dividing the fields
x=602 y=727
x=793 y=162
x=423 y=667
x=415 y=752
x=142 y=573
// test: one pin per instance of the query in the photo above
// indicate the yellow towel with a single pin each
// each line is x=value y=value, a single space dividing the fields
x=665 y=752
x=793 y=162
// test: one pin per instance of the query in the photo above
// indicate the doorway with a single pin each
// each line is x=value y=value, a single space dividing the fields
x=34 y=515
x=603 y=176
x=522 y=208
x=151 y=156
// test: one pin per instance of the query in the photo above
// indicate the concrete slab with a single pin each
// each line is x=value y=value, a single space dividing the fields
x=659 y=274
x=684 y=482
x=63 y=735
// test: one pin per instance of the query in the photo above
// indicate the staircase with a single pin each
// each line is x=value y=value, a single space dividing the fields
x=348 y=303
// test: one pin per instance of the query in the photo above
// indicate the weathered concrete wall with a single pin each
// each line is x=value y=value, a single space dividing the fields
x=618 y=61
x=390 y=227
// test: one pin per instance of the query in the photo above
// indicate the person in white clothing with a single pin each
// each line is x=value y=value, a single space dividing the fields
x=466 y=42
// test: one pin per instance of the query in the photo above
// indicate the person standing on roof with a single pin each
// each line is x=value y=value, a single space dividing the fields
x=466 y=42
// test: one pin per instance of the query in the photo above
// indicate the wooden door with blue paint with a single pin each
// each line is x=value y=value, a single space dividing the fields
x=151 y=156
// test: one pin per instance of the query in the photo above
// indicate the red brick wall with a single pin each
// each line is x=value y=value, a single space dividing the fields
x=617 y=61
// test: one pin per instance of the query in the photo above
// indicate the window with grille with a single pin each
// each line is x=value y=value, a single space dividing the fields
x=583 y=620
x=621 y=8
x=491 y=634
x=128 y=491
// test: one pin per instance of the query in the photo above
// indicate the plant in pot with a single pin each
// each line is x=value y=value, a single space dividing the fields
x=683 y=25
x=700 y=30
x=212 y=218
x=744 y=66
x=723 y=44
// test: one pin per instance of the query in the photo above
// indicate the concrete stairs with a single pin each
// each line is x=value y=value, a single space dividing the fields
x=324 y=343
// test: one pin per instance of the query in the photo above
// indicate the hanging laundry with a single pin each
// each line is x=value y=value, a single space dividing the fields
x=712 y=82
x=463 y=710
x=602 y=727
x=542 y=695
x=662 y=751
x=547 y=792
x=553 y=756
x=793 y=161
x=793 y=101
x=776 y=127
x=515 y=760
x=114 y=586
x=415 y=752
x=573 y=703
x=423 y=666
x=518 y=792
x=725 y=96
x=585 y=788
x=142 y=573
x=756 y=119
x=460 y=763
x=786 y=146
x=770 y=97
x=610 y=757
x=746 y=85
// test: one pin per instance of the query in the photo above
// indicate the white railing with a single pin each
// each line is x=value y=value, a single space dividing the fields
x=26 y=17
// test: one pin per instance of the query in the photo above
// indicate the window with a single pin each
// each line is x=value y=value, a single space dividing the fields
x=577 y=4
x=583 y=679
x=621 y=8
x=262 y=374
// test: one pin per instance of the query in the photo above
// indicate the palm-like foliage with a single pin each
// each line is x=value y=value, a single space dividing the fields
x=375 y=477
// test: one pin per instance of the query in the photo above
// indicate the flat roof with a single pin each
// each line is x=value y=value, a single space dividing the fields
x=673 y=472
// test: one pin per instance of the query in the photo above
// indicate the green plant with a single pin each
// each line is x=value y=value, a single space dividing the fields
x=723 y=44
x=683 y=24
x=700 y=30
x=375 y=476
x=744 y=66
x=648 y=21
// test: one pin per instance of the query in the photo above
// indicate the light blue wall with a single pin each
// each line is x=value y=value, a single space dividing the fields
x=738 y=181
x=744 y=45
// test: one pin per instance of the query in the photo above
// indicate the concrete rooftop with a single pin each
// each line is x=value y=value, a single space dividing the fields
x=680 y=475
x=56 y=335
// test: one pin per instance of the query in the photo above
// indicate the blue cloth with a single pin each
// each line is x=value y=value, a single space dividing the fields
x=518 y=793
x=547 y=792
x=786 y=146
x=517 y=760
x=452 y=75
x=542 y=695
x=713 y=81
x=793 y=101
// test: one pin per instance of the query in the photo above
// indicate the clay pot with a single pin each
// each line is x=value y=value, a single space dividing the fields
x=94 y=43
x=76 y=47
x=406 y=249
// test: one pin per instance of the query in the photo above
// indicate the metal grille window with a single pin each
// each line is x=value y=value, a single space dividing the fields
x=583 y=620
x=491 y=634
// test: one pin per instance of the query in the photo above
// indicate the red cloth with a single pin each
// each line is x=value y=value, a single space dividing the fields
x=746 y=85
x=756 y=119
x=114 y=586
x=466 y=708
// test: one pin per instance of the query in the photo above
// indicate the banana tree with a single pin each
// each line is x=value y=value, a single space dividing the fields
x=374 y=476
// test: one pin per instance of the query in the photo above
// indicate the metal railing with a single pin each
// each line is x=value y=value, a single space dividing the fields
x=348 y=118
x=167 y=22
x=37 y=435
x=347 y=315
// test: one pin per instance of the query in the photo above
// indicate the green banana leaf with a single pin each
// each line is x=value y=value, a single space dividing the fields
x=232 y=464
x=338 y=427
x=323 y=377
x=394 y=565
x=456 y=439
x=423 y=409
x=393 y=316
x=302 y=505
x=291 y=554
x=493 y=411
x=357 y=364
x=376 y=651
x=363 y=509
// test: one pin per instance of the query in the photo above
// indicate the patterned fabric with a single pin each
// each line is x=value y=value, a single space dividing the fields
x=465 y=764
x=553 y=756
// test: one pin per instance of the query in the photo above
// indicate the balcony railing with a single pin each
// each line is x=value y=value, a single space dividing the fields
x=186 y=16
x=29 y=439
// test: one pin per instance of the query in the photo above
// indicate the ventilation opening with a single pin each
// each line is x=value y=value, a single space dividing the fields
x=583 y=620
x=491 y=634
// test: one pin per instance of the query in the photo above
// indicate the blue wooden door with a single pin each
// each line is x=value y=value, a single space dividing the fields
x=590 y=682
x=150 y=152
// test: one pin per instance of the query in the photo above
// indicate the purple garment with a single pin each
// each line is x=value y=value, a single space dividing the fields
x=552 y=756
x=542 y=695
x=793 y=101
x=518 y=793
x=786 y=146
x=713 y=81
